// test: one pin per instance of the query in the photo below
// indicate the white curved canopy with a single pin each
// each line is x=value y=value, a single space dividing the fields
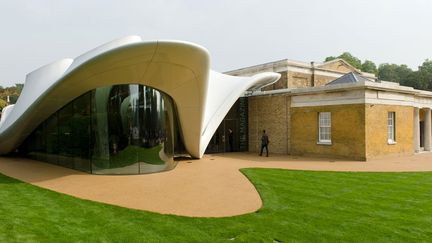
x=180 y=69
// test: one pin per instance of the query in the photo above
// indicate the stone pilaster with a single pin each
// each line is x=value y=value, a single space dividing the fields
x=416 y=129
x=427 y=130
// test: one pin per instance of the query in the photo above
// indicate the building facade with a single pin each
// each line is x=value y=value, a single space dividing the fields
x=296 y=74
x=333 y=110
x=130 y=106
x=125 y=107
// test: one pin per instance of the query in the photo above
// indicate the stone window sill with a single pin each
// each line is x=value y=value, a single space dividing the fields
x=324 y=143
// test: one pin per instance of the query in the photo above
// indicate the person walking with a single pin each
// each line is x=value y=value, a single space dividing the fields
x=231 y=139
x=264 y=143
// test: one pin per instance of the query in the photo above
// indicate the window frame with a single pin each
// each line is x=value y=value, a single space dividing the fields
x=324 y=128
x=391 y=127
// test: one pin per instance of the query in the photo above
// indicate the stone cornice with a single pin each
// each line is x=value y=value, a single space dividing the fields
x=370 y=92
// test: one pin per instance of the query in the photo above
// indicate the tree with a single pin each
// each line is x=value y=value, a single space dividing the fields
x=396 y=73
x=369 y=67
x=3 y=104
x=388 y=72
x=19 y=88
x=13 y=92
x=412 y=80
x=425 y=74
x=330 y=58
x=402 y=74
x=352 y=60
x=346 y=56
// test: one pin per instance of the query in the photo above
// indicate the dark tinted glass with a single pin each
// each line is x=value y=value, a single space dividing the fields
x=122 y=129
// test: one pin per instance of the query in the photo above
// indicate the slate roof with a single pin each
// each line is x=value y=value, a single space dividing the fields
x=348 y=78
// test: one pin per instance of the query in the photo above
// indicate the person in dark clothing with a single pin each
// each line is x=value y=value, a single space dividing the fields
x=231 y=139
x=264 y=143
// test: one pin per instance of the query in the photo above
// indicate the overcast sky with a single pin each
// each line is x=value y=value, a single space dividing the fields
x=238 y=33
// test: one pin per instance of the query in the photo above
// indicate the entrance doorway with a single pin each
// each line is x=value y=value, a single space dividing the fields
x=236 y=120
x=220 y=141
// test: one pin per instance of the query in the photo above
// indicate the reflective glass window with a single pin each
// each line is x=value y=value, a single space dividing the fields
x=121 y=129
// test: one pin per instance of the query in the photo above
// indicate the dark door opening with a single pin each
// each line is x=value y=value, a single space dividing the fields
x=422 y=134
x=217 y=142
x=231 y=141
x=236 y=120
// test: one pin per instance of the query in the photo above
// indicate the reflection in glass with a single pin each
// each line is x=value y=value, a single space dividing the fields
x=122 y=129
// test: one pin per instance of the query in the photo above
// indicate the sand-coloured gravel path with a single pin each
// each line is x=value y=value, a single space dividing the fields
x=209 y=187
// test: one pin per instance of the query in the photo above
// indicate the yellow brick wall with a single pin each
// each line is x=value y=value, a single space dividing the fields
x=299 y=80
x=290 y=79
x=376 y=130
x=321 y=80
x=348 y=131
x=358 y=131
x=337 y=66
x=272 y=114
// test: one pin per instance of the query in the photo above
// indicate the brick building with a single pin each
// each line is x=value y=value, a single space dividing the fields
x=332 y=110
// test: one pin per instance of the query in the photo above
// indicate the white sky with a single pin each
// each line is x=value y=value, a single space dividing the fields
x=237 y=33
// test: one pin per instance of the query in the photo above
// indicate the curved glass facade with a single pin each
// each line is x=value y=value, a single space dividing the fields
x=121 y=129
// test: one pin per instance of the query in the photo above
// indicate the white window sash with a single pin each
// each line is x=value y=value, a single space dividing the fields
x=324 y=127
x=391 y=127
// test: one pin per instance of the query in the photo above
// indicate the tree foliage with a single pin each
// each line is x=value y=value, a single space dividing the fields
x=348 y=57
x=393 y=72
x=369 y=67
x=352 y=60
x=421 y=79
x=425 y=74
x=3 y=104
x=330 y=58
x=13 y=92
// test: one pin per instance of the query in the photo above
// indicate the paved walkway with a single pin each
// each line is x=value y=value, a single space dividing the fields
x=210 y=187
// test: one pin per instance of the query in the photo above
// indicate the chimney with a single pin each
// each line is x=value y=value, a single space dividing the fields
x=313 y=74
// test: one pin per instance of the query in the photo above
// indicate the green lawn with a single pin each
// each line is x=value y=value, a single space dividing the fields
x=298 y=206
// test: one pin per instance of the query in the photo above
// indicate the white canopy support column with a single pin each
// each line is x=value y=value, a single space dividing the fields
x=427 y=130
x=416 y=130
